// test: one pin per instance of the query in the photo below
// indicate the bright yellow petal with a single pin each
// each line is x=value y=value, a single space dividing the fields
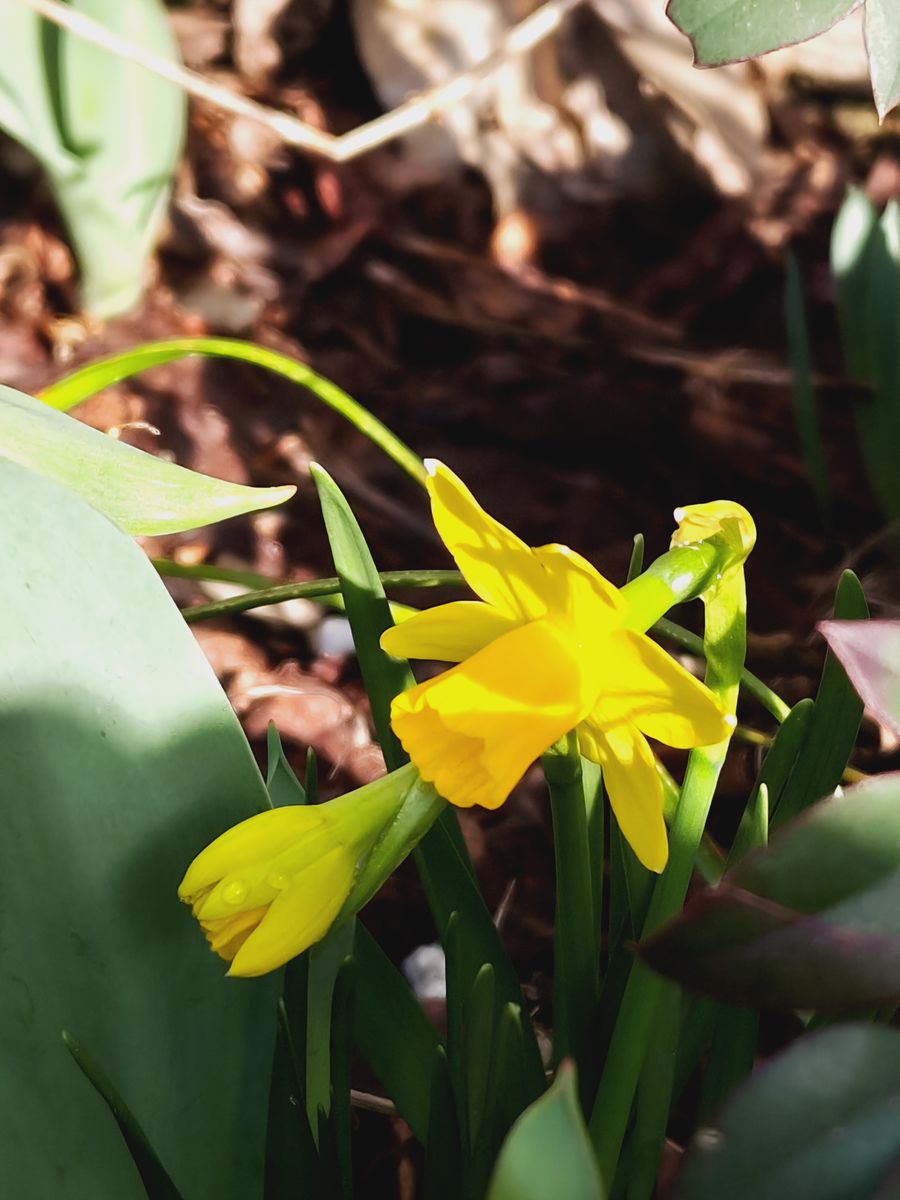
x=228 y=934
x=580 y=594
x=642 y=685
x=474 y=730
x=301 y=915
x=259 y=838
x=449 y=633
x=497 y=565
x=634 y=789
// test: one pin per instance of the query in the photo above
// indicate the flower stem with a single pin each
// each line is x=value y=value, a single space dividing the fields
x=724 y=646
x=575 y=978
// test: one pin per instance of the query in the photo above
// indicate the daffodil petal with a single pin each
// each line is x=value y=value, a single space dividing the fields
x=227 y=934
x=299 y=916
x=258 y=838
x=497 y=564
x=450 y=632
x=634 y=789
x=474 y=730
x=644 y=686
x=579 y=593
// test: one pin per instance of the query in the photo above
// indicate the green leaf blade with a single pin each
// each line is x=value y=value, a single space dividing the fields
x=548 y=1152
x=121 y=759
x=818 y=1121
x=139 y=492
x=883 y=48
x=725 y=31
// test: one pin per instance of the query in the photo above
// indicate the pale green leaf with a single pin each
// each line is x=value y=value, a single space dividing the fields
x=547 y=1152
x=883 y=49
x=107 y=132
x=730 y=30
x=121 y=759
x=141 y=493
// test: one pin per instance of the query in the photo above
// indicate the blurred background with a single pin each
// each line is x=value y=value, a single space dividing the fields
x=570 y=287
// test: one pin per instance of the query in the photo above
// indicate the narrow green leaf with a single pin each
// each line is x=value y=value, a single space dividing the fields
x=547 y=1152
x=883 y=48
x=326 y=959
x=367 y=612
x=291 y=1157
x=831 y=733
x=87 y=381
x=851 y=245
x=154 y=1176
x=479 y=1009
x=141 y=493
x=282 y=784
x=443 y=1153
x=817 y=1121
x=806 y=411
x=775 y=772
x=731 y=30
x=395 y=1037
x=731 y=1056
x=341 y=1053
x=121 y=759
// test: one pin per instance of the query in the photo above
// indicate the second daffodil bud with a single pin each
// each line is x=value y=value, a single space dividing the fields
x=270 y=887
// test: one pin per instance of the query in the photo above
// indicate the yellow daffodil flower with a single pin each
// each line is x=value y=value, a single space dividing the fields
x=547 y=649
x=271 y=886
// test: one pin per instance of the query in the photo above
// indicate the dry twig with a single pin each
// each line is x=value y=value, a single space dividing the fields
x=410 y=115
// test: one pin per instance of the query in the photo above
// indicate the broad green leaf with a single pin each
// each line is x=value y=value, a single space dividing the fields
x=731 y=30
x=107 y=132
x=87 y=381
x=883 y=48
x=120 y=759
x=869 y=651
x=819 y=1122
x=812 y=921
x=141 y=493
x=547 y=1152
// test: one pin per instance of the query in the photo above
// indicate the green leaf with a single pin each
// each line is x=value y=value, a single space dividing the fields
x=141 y=493
x=819 y=1122
x=154 y=1176
x=367 y=611
x=547 y=1152
x=869 y=651
x=107 y=132
x=93 y=378
x=282 y=784
x=121 y=759
x=395 y=1037
x=831 y=730
x=803 y=394
x=811 y=922
x=883 y=48
x=851 y=245
x=731 y=30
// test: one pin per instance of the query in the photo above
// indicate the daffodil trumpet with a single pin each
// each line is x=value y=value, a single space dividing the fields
x=552 y=646
x=271 y=886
